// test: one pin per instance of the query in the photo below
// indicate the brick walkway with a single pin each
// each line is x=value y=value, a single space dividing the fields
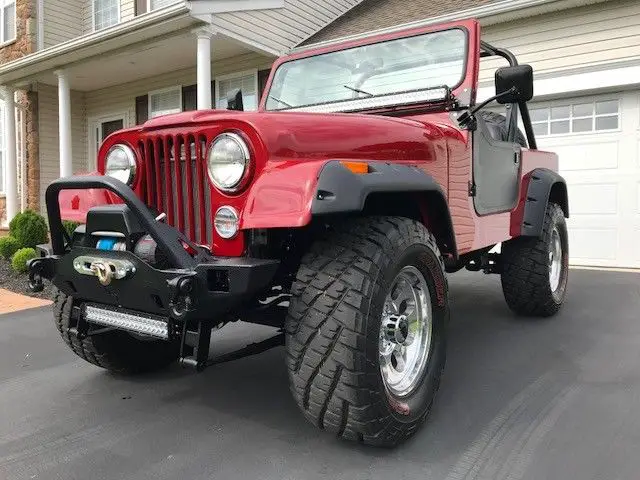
x=13 y=302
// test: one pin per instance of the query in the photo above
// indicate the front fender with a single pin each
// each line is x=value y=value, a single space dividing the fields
x=291 y=194
x=539 y=186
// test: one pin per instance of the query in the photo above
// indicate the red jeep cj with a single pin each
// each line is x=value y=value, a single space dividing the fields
x=333 y=212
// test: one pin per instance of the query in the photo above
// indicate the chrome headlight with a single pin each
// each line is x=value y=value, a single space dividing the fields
x=228 y=161
x=121 y=163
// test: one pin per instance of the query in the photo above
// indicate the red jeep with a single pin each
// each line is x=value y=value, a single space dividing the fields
x=333 y=212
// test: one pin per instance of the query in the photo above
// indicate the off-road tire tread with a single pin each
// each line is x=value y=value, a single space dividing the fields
x=525 y=270
x=326 y=328
x=114 y=351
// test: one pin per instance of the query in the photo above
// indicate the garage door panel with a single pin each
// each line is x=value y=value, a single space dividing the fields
x=593 y=156
x=593 y=199
x=589 y=244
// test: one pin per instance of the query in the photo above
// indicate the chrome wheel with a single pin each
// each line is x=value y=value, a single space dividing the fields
x=555 y=260
x=405 y=332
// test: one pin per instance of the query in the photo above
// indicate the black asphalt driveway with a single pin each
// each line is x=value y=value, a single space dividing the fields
x=551 y=399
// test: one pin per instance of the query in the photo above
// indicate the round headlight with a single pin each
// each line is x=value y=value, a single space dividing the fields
x=228 y=161
x=121 y=163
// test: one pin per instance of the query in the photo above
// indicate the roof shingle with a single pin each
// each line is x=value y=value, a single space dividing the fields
x=375 y=14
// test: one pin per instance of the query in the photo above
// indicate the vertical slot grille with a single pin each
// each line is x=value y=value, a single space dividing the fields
x=176 y=183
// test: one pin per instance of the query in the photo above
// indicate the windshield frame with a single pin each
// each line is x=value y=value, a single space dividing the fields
x=468 y=76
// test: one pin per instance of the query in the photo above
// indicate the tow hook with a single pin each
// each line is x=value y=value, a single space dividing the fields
x=103 y=272
x=182 y=296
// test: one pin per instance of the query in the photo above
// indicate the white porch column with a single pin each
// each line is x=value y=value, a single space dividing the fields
x=64 y=124
x=204 y=69
x=11 y=158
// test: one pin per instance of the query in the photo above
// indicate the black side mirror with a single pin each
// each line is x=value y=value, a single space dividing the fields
x=514 y=84
x=234 y=100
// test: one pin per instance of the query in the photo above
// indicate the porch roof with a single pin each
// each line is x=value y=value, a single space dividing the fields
x=149 y=44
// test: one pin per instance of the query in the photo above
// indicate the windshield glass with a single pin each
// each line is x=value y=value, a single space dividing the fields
x=407 y=64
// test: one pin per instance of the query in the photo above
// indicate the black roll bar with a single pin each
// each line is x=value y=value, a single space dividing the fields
x=488 y=50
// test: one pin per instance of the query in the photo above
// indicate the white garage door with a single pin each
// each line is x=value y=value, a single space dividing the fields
x=598 y=143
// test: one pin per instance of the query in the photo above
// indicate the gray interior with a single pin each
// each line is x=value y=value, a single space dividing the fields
x=496 y=169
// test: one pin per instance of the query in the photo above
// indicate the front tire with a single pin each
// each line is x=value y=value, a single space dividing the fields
x=535 y=270
x=116 y=351
x=361 y=364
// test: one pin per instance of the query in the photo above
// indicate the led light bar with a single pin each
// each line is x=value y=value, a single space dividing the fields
x=126 y=321
x=394 y=99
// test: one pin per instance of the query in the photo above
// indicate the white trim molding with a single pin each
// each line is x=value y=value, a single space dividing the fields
x=207 y=7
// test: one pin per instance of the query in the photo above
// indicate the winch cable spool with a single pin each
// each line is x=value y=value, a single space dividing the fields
x=111 y=244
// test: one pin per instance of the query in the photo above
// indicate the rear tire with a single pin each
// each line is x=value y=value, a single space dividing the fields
x=535 y=270
x=334 y=339
x=116 y=351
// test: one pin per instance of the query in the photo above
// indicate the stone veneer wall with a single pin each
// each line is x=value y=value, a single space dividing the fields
x=25 y=44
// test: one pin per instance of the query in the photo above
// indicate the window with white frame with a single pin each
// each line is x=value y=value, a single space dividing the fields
x=248 y=83
x=156 y=4
x=8 y=20
x=164 y=102
x=105 y=13
x=579 y=117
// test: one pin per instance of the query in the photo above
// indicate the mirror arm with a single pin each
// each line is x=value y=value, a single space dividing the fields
x=528 y=128
x=468 y=119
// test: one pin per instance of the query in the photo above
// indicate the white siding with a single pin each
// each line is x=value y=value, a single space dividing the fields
x=127 y=10
x=581 y=37
x=283 y=28
x=62 y=21
x=48 y=130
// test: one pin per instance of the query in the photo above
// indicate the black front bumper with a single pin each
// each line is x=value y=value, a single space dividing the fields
x=199 y=287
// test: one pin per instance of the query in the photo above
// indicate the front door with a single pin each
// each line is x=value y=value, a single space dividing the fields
x=101 y=129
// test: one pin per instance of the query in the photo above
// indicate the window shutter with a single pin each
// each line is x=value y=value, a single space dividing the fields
x=189 y=98
x=263 y=76
x=142 y=109
x=140 y=7
x=214 y=100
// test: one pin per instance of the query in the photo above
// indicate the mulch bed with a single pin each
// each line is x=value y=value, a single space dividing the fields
x=18 y=282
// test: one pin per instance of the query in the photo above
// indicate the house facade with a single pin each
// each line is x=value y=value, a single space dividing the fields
x=76 y=70
x=83 y=81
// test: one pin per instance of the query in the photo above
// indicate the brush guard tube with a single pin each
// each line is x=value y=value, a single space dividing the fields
x=198 y=288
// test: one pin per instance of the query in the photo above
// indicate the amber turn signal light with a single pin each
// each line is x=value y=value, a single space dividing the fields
x=359 y=168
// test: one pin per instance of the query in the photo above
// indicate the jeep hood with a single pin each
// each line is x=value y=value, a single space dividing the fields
x=314 y=136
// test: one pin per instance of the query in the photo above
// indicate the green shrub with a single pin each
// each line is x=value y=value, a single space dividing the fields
x=70 y=226
x=29 y=228
x=19 y=259
x=8 y=246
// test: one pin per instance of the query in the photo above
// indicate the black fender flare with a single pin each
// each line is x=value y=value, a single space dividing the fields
x=543 y=185
x=339 y=190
